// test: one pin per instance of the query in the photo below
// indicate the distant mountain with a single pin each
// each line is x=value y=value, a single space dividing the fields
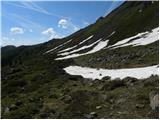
x=107 y=70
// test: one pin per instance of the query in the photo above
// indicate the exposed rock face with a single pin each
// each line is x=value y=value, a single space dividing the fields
x=154 y=100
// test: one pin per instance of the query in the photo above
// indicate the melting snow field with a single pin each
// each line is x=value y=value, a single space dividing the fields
x=79 y=49
x=139 y=39
x=139 y=73
x=98 y=47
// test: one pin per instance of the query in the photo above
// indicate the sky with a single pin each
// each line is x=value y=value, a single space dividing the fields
x=33 y=22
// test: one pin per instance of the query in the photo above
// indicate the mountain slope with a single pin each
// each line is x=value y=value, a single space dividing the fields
x=115 y=27
x=36 y=83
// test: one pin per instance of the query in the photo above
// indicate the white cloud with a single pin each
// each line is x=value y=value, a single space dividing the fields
x=17 y=30
x=63 y=23
x=66 y=24
x=50 y=33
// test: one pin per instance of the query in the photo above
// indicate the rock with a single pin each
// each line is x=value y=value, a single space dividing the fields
x=18 y=103
x=110 y=85
x=150 y=81
x=139 y=106
x=67 y=99
x=40 y=99
x=22 y=88
x=106 y=78
x=154 y=100
x=111 y=101
x=90 y=84
x=98 y=107
x=88 y=116
x=121 y=100
x=130 y=81
x=31 y=99
x=93 y=114
x=6 y=110
x=111 y=114
x=122 y=113
x=13 y=107
x=103 y=97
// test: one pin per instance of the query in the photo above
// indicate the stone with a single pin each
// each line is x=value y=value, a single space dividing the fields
x=98 y=107
x=103 y=97
x=18 y=103
x=31 y=99
x=67 y=99
x=88 y=116
x=121 y=100
x=106 y=78
x=139 y=106
x=93 y=114
x=13 y=107
x=6 y=110
x=90 y=84
x=154 y=100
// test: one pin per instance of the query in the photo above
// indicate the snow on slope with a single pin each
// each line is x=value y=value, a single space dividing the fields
x=58 y=46
x=98 y=47
x=79 y=49
x=93 y=73
x=139 y=39
x=111 y=34
x=86 y=39
x=67 y=49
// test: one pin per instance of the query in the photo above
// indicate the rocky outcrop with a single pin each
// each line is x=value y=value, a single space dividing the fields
x=154 y=100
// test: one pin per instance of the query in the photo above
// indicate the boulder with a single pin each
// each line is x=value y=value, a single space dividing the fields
x=91 y=115
x=13 y=107
x=106 y=78
x=139 y=106
x=121 y=100
x=98 y=107
x=6 y=110
x=154 y=100
x=67 y=99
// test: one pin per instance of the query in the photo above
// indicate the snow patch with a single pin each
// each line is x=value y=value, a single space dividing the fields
x=86 y=39
x=82 y=48
x=143 y=38
x=67 y=49
x=58 y=46
x=139 y=73
x=111 y=34
x=97 y=48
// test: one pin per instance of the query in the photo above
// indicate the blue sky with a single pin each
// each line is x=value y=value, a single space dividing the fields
x=32 y=22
